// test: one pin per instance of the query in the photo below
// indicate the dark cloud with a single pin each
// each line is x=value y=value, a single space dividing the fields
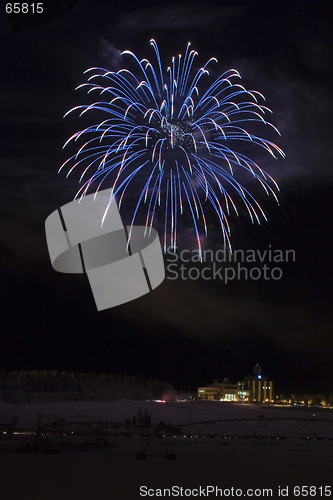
x=217 y=313
x=180 y=16
x=111 y=54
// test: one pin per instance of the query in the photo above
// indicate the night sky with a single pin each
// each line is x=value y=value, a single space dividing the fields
x=186 y=333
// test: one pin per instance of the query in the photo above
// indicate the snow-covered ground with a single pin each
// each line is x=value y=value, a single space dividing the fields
x=116 y=473
x=174 y=413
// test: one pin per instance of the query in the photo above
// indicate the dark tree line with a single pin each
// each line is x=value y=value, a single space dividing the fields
x=21 y=386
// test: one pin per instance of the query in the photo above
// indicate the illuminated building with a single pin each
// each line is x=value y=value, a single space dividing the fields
x=261 y=389
x=252 y=389
x=220 y=391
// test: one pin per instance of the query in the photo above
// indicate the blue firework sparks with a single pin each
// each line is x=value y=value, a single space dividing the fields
x=158 y=129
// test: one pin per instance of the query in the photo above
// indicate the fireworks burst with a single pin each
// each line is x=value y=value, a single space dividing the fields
x=160 y=131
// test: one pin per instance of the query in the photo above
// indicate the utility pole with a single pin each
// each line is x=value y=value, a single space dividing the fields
x=189 y=427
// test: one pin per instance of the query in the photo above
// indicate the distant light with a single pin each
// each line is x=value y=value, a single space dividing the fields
x=259 y=376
